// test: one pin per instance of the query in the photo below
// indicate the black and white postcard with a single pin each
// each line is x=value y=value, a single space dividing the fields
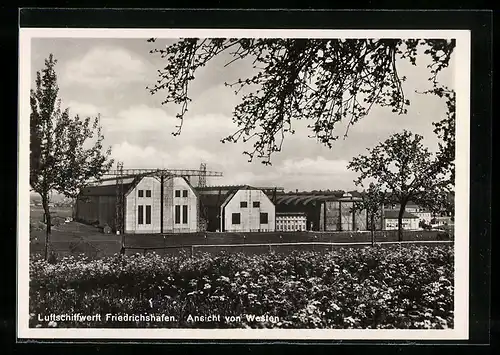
x=243 y=184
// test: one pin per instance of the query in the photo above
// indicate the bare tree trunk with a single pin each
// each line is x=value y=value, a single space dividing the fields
x=45 y=204
x=372 y=228
x=400 y=220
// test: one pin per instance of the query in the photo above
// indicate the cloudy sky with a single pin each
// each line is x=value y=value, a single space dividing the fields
x=109 y=76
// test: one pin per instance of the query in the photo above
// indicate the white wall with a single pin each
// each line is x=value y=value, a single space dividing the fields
x=291 y=223
x=249 y=216
x=408 y=223
x=169 y=201
x=133 y=201
x=426 y=216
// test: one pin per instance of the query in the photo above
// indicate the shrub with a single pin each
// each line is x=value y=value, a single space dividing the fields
x=408 y=287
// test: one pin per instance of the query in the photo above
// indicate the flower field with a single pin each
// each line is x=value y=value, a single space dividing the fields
x=388 y=287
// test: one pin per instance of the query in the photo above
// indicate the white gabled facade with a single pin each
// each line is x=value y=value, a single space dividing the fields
x=144 y=210
x=142 y=206
x=180 y=206
x=248 y=210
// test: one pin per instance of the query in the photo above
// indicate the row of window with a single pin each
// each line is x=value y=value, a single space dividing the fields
x=178 y=215
x=177 y=218
x=236 y=218
x=140 y=216
x=244 y=204
x=291 y=228
x=177 y=193
x=290 y=222
x=141 y=193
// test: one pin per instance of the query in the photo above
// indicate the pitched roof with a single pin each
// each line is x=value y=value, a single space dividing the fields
x=234 y=187
x=107 y=188
x=393 y=214
x=228 y=198
x=304 y=198
x=291 y=214
x=212 y=198
x=190 y=185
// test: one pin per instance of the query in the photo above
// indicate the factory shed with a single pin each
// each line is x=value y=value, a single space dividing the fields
x=96 y=205
x=150 y=205
x=247 y=209
x=213 y=197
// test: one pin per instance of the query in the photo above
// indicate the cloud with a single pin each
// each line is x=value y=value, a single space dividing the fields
x=312 y=167
x=303 y=174
x=105 y=67
x=143 y=119
x=136 y=156
x=140 y=118
x=84 y=109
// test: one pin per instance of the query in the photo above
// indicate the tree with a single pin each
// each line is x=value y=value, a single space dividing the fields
x=323 y=80
x=372 y=201
x=58 y=159
x=405 y=168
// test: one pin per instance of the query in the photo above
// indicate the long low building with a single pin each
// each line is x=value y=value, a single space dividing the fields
x=409 y=221
x=325 y=210
x=291 y=221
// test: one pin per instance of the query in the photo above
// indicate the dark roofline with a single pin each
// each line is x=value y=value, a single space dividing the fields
x=238 y=187
x=393 y=214
x=290 y=213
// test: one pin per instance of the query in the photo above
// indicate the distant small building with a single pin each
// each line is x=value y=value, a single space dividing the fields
x=422 y=213
x=441 y=221
x=291 y=221
x=409 y=222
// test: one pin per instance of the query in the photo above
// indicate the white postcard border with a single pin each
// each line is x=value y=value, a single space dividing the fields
x=462 y=87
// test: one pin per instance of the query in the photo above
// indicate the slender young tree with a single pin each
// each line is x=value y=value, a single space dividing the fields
x=325 y=81
x=59 y=160
x=372 y=200
x=402 y=166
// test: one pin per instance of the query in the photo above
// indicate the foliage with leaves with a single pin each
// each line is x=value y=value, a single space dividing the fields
x=405 y=168
x=381 y=287
x=59 y=160
x=323 y=80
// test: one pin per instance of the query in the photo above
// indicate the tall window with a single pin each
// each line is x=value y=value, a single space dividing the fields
x=140 y=214
x=148 y=214
x=148 y=193
x=184 y=214
x=236 y=218
x=177 y=214
x=243 y=204
x=177 y=193
x=256 y=204
x=184 y=193
x=141 y=193
x=264 y=218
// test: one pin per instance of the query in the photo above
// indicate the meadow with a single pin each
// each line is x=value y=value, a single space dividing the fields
x=382 y=287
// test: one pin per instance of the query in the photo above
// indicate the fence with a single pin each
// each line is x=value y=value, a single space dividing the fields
x=259 y=248
x=160 y=240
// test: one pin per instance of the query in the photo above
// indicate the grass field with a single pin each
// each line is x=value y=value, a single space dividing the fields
x=36 y=212
x=383 y=287
x=76 y=238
